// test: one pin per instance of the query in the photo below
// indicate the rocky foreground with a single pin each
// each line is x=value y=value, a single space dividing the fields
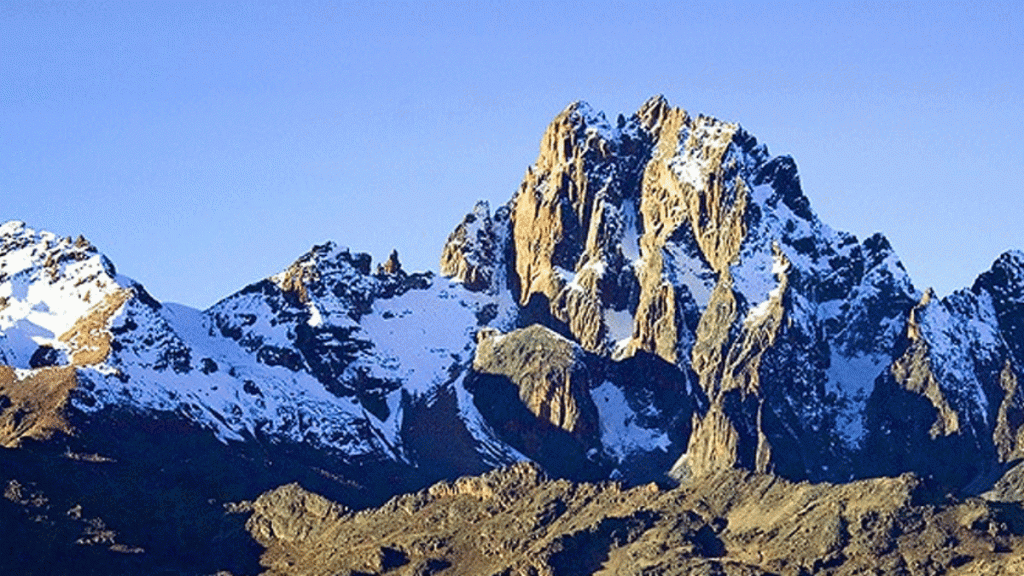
x=514 y=521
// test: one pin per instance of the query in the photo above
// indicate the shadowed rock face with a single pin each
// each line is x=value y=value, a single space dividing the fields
x=578 y=414
x=548 y=372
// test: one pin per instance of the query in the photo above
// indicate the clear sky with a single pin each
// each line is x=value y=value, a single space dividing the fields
x=206 y=145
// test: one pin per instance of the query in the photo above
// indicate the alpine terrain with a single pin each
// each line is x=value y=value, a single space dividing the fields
x=653 y=359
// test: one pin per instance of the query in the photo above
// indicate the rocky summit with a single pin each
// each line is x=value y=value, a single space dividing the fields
x=661 y=359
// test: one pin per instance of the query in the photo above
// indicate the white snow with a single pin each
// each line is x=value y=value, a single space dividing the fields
x=620 y=433
x=630 y=244
x=597 y=124
x=290 y=404
x=315 y=319
x=566 y=276
x=251 y=313
x=779 y=267
x=620 y=326
x=684 y=270
x=418 y=336
x=692 y=163
x=852 y=379
x=494 y=451
x=957 y=341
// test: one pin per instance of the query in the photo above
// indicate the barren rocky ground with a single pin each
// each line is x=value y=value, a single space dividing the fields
x=514 y=521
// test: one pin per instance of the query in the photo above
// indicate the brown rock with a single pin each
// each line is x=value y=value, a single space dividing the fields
x=34 y=406
x=548 y=372
x=89 y=338
x=474 y=250
x=391 y=266
x=914 y=373
x=513 y=521
x=1008 y=435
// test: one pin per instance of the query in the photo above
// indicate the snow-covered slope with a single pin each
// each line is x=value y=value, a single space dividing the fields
x=325 y=354
x=46 y=284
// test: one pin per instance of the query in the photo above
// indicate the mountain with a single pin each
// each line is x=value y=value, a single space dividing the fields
x=802 y=351
x=656 y=302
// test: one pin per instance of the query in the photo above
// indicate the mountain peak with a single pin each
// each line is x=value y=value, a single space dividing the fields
x=1010 y=260
x=48 y=283
x=12 y=227
x=653 y=111
x=1006 y=276
x=682 y=238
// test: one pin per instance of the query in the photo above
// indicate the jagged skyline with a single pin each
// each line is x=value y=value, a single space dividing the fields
x=655 y=304
x=204 y=147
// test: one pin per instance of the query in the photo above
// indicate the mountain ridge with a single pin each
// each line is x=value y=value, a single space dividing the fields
x=656 y=302
x=620 y=238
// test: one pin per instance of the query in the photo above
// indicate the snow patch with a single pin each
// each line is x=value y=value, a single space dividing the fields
x=851 y=380
x=620 y=434
x=630 y=244
x=779 y=267
x=620 y=326
x=418 y=337
x=48 y=284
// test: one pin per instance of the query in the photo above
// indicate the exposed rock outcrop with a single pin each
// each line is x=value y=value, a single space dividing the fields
x=515 y=521
x=1009 y=431
x=33 y=406
x=477 y=249
x=548 y=372
x=391 y=267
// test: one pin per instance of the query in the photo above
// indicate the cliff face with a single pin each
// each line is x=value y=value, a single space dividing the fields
x=545 y=369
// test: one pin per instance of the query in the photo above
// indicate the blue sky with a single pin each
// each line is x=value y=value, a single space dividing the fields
x=206 y=145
